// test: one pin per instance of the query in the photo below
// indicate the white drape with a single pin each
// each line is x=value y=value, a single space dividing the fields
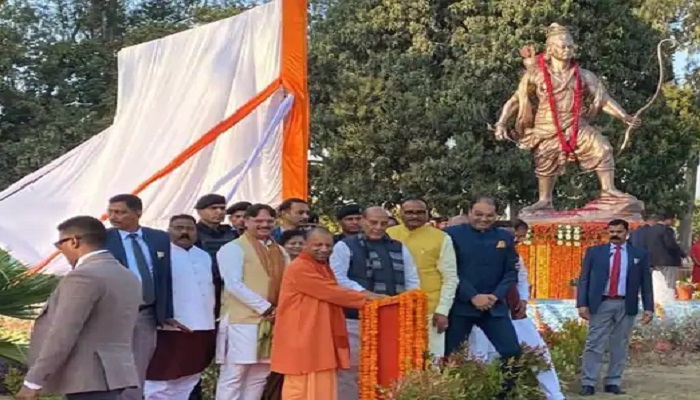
x=171 y=92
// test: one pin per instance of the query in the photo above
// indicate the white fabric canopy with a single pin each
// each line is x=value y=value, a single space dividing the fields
x=171 y=92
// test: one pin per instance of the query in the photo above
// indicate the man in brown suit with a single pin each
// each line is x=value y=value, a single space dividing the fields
x=81 y=342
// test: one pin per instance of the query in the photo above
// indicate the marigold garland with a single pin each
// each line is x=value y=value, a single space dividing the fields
x=413 y=338
x=553 y=254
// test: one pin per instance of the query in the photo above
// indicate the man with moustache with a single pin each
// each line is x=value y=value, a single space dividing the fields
x=349 y=217
x=310 y=341
x=146 y=253
x=80 y=345
x=434 y=255
x=486 y=260
x=613 y=277
x=181 y=357
x=369 y=262
x=251 y=267
x=294 y=214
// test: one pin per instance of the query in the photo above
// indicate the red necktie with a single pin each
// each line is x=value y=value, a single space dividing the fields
x=615 y=273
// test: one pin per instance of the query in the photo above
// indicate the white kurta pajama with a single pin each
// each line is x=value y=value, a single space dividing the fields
x=242 y=375
x=481 y=348
x=193 y=306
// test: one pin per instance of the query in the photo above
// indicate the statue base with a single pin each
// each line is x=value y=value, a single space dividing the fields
x=557 y=241
x=603 y=209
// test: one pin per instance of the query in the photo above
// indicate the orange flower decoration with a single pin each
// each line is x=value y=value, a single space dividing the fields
x=412 y=340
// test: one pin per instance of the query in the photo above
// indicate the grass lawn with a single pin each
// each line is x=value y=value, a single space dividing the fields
x=650 y=382
x=657 y=382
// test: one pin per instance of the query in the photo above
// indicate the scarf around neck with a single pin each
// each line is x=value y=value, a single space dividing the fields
x=273 y=262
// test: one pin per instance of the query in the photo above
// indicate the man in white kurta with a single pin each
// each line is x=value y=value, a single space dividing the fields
x=525 y=328
x=246 y=301
x=182 y=356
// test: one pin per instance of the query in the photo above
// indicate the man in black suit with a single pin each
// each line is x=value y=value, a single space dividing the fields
x=146 y=253
x=612 y=278
x=666 y=257
x=637 y=236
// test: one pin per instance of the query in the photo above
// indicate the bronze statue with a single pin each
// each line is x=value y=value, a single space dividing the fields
x=556 y=82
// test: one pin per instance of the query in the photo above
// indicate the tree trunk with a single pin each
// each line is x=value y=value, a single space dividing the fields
x=685 y=230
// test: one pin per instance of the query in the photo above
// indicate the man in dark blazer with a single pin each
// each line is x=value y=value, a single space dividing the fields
x=486 y=260
x=665 y=256
x=613 y=277
x=146 y=253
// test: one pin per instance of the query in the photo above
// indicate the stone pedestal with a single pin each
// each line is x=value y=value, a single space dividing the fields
x=557 y=241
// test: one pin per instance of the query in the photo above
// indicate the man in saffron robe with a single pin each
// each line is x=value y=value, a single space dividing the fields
x=434 y=255
x=310 y=340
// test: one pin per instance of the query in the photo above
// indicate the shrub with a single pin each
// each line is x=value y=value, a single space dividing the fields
x=463 y=378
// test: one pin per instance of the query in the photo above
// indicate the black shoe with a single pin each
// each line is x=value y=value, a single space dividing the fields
x=614 y=389
x=587 y=390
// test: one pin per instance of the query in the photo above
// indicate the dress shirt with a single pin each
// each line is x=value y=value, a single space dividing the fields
x=127 y=242
x=523 y=284
x=230 y=260
x=193 y=288
x=81 y=260
x=447 y=266
x=340 y=263
x=622 y=283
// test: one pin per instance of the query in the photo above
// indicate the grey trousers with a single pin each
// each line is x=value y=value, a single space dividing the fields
x=144 y=346
x=608 y=329
x=111 y=395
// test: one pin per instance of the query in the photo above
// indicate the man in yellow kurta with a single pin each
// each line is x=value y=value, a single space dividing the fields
x=434 y=256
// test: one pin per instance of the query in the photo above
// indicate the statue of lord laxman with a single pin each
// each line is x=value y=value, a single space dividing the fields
x=556 y=128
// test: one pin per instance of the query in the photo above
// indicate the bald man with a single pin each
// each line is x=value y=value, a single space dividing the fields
x=310 y=347
x=369 y=262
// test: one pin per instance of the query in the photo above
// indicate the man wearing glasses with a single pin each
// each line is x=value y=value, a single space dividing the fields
x=81 y=342
x=433 y=252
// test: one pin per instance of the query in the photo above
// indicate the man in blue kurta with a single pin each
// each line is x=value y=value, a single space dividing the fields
x=486 y=259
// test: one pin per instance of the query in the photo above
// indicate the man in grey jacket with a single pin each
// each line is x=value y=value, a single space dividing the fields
x=81 y=345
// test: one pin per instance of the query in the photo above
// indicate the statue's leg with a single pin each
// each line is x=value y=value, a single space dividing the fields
x=547 y=169
x=594 y=152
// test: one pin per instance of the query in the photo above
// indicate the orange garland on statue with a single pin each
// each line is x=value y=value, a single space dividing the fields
x=412 y=340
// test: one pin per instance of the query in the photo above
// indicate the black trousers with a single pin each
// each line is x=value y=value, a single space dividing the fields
x=110 y=395
x=197 y=391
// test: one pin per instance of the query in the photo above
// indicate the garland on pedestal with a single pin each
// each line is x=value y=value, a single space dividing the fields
x=412 y=339
x=553 y=254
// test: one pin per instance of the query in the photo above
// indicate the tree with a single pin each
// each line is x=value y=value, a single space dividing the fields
x=402 y=92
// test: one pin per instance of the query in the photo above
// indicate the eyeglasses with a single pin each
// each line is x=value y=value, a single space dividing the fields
x=60 y=242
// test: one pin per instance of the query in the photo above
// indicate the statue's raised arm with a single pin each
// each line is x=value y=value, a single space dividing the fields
x=553 y=106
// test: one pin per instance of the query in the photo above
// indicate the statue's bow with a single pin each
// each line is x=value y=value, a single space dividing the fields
x=659 y=85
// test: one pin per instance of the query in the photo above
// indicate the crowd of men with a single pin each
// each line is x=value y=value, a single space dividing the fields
x=273 y=298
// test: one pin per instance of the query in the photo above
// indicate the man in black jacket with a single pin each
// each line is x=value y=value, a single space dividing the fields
x=212 y=234
x=665 y=256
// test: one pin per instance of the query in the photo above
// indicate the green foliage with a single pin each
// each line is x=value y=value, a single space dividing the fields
x=21 y=295
x=13 y=381
x=462 y=378
x=402 y=92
